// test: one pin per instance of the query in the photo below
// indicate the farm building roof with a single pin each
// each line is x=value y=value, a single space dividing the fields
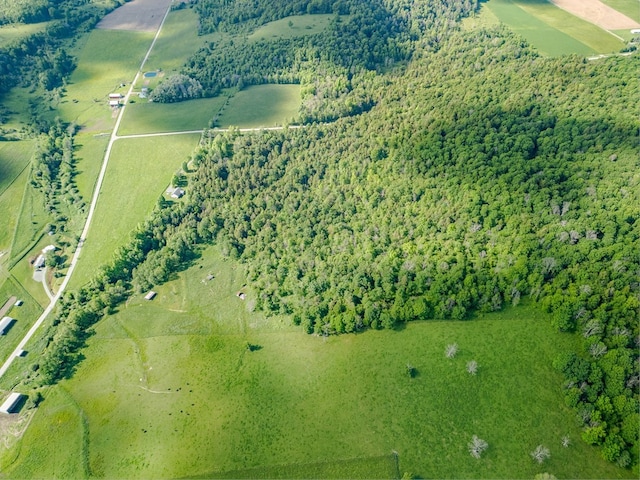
x=10 y=402
x=4 y=323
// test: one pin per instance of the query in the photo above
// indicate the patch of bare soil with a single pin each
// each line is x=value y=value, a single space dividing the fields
x=137 y=15
x=598 y=13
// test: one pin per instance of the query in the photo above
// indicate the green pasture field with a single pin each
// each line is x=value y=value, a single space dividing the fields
x=383 y=467
x=169 y=389
x=178 y=40
x=30 y=224
x=106 y=59
x=551 y=30
x=151 y=117
x=14 y=162
x=301 y=25
x=18 y=31
x=89 y=154
x=138 y=173
x=261 y=106
x=25 y=316
x=631 y=8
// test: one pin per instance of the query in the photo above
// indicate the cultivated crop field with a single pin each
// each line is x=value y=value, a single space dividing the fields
x=181 y=395
x=261 y=106
x=551 y=30
x=14 y=162
x=139 y=171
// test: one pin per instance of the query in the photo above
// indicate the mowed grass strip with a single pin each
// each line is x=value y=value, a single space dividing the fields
x=261 y=106
x=551 y=30
x=150 y=117
x=106 y=59
x=295 y=26
x=177 y=401
x=138 y=173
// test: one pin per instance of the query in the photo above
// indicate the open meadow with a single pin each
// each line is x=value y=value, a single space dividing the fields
x=182 y=395
x=551 y=30
x=14 y=32
x=139 y=172
x=147 y=117
x=294 y=26
x=14 y=163
x=630 y=8
x=261 y=106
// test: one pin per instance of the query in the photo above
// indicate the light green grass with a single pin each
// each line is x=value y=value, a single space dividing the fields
x=261 y=106
x=631 y=8
x=18 y=31
x=180 y=395
x=14 y=160
x=89 y=153
x=25 y=316
x=138 y=173
x=551 y=30
x=169 y=117
x=64 y=423
x=301 y=25
x=177 y=42
x=30 y=225
x=106 y=59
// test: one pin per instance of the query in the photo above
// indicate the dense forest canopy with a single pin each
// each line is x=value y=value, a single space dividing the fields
x=479 y=175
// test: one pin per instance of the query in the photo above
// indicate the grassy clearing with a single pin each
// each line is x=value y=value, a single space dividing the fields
x=177 y=42
x=169 y=117
x=14 y=172
x=89 y=154
x=106 y=59
x=551 y=30
x=631 y=8
x=138 y=173
x=294 y=26
x=25 y=315
x=261 y=106
x=181 y=395
x=15 y=31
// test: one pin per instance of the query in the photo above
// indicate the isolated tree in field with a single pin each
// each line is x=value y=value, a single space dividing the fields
x=477 y=446
x=451 y=350
x=540 y=454
x=566 y=441
x=472 y=367
x=411 y=370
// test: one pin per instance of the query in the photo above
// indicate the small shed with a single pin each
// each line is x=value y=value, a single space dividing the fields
x=115 y=96
x=177 y=193
x=150 y=296
x=114 y=103
x=5 y=323
x=49 y=248
x=18 y=303
x=11 y=402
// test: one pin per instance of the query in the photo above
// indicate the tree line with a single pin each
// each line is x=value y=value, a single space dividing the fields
x=482 y=175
